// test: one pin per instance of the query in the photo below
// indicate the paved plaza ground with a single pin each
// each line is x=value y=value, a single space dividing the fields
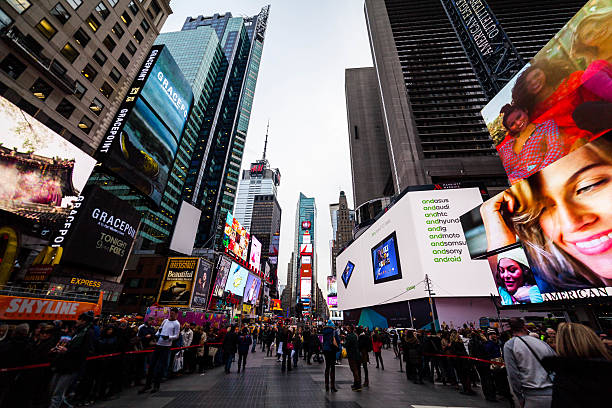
x=264 y=385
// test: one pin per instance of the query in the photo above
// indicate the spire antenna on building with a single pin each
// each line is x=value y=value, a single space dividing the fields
x=266 y=143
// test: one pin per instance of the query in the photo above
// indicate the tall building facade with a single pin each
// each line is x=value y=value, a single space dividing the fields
x=69 y=64
x=343 y=223
x=265 y=225
x=259 y=179
x=212 y=176
x=305 y=258
x=431 y=97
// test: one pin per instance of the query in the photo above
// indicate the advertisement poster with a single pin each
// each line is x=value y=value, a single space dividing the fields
x=251 y=291
x=236 y=238
x=142 y=140
x=236 y=279
x=27 y=308
x=347 y=273
x=222 y=272
x=332 y=289
x=560 y=100
x=305 y=288
x=99 y=233
x=305 y=249
x=385 y=260
x=202 y=284
x=274 y=244
x=178 y=283
x=255 y=256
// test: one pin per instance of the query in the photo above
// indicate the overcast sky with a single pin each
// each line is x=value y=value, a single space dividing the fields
x=300 y=89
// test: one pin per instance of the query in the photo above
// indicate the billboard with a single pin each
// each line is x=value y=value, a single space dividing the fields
x=236 y=279
x=177 y=286
x=560 y=217
x=306 y=225
x=274 y=245
x=332 y=301
x=419 y=234
x=305 y=249
x=223 y=268
x=255 y=255
x=305 y=288
x=332 y=291
x=306 y=260
x=235 y=238
x=560 y=100
x=251 y=289
x=202 y=284
x=98 y=232
x=142 y=140
x=185 y=229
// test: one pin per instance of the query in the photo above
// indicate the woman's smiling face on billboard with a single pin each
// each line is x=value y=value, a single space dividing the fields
x=577 y=214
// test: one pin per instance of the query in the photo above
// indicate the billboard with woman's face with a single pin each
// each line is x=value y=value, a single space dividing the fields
x=561 y=100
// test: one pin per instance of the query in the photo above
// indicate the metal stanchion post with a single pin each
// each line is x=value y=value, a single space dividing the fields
x=400 y=360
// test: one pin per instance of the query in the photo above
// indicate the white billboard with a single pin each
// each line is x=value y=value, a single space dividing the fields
x=186 y=229
x=420 y=234
x=305 y=286
x=305 y=249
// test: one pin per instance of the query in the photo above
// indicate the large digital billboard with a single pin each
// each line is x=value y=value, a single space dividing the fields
x=305 y=288
x=561 y=217
x=560 y=100
x=419 y=234
x=223 y=268
x=141 y=143
x=202 y=284
x=332 y=291
x=178 y=283
x=235 y=238
x=255 y=255
x=251 y=289
x=236 y=279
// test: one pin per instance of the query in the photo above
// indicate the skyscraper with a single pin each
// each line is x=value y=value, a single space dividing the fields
x=343 y=222
x=305 y=261
x=430 y=94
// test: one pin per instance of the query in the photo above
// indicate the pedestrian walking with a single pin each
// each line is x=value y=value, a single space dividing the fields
x=244 y=342
x=365 y=346
x=331 y=345
x=581 y=369
x=354 y=357
x=394 y=340
x=523 y=354
x=230 y=345
x=377 y=344
x=169 y=331
x=286 y=347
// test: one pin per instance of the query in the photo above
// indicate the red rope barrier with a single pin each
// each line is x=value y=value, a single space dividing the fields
x=499 y=363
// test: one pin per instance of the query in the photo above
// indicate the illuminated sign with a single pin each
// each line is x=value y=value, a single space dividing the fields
x=257 y=168
x=85 y=282
x=305 y=249
x=306 y=225
x=332 y=301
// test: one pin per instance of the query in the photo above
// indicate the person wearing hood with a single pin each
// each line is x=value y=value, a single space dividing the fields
x=354 y=357
x=331 y=345
x=413 y=356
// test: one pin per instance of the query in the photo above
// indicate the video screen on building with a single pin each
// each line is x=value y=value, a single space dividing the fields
x=560 y=216
x=305 y=288
x=514 y=278
x=202 y=284
x=235 y=238
x=223 y=268
x=255 y=255
x=385 y=260
x=142 y=141
x=347 y=273
x=560 y=100
x=178 y=283
x=236 y=279
x=251 y=289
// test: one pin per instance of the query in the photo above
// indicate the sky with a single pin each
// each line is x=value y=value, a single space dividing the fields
x=300 y=90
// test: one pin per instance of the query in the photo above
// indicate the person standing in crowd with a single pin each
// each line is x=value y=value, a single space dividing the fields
x=493 y=349
x=230 y=345
x=365 y=346
x=377 y=343
x=583 y=363
x=297 y=346
x=394 y=340
x=71 y=355
x=431 y=366
x=354 y=357
x=477 y=349
x=413 y=356
x=169 y=331
x=286 y=348
x=187 y=337
x=331 y=345
x=307 y=336
x=463 y=367
x=523 y=354
x=269 y=341
x=278 y=338
x=14 y=352
x=244 y=342
x=255 y=337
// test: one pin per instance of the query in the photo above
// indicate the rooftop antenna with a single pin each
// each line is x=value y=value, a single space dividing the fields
x=266 y=143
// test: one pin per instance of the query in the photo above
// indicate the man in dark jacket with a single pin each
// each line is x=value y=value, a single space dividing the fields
x=244 y=341
x=413 y=355
x=354 y=357
x=230 y=346
x=365 y=346
x=307 y=345
x=331 y=344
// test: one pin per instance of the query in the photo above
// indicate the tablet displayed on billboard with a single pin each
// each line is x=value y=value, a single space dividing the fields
x=348 y=272
x=385 y=258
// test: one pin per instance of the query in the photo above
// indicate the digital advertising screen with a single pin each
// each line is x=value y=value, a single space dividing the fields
x=305 y=288
x=255 y=255
x=560 y=217
x=385 y=260
x=514 y=278
x=332 y=289
x=332 y=301
x=178 y=283
x=223 y=268
x=347 y=273
x=305 y=249
x=251 y=289
x=142 y=140
x=559 y=101
x=236 y=279
x=236 y=238
x=202 y=284
x=274 y=245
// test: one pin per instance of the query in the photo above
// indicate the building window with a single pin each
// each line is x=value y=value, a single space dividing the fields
x=110 y=43
x=19 y=5
x=79 y=89
x=126 y=18
x=131 y=48
x=46 y=29
x=69 y=52
x=60 y=13
x=75 y=4
x=96 y=106
x=124 y=61
x=99 y=57
x=133 y=7
x=81 y=37
x=93 y=23
x=113 y=3
x=138 y=36
x=153 y=9
x=89 y=72
x=118 y=30
x=65 y=108
x=58 y=69
x=145 y=26
x=115 y=75
x=102 y=10
x=41 y=89
x=85 y=124
x=106 y=89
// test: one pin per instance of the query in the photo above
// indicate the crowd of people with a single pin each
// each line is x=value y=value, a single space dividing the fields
x=535 y=366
